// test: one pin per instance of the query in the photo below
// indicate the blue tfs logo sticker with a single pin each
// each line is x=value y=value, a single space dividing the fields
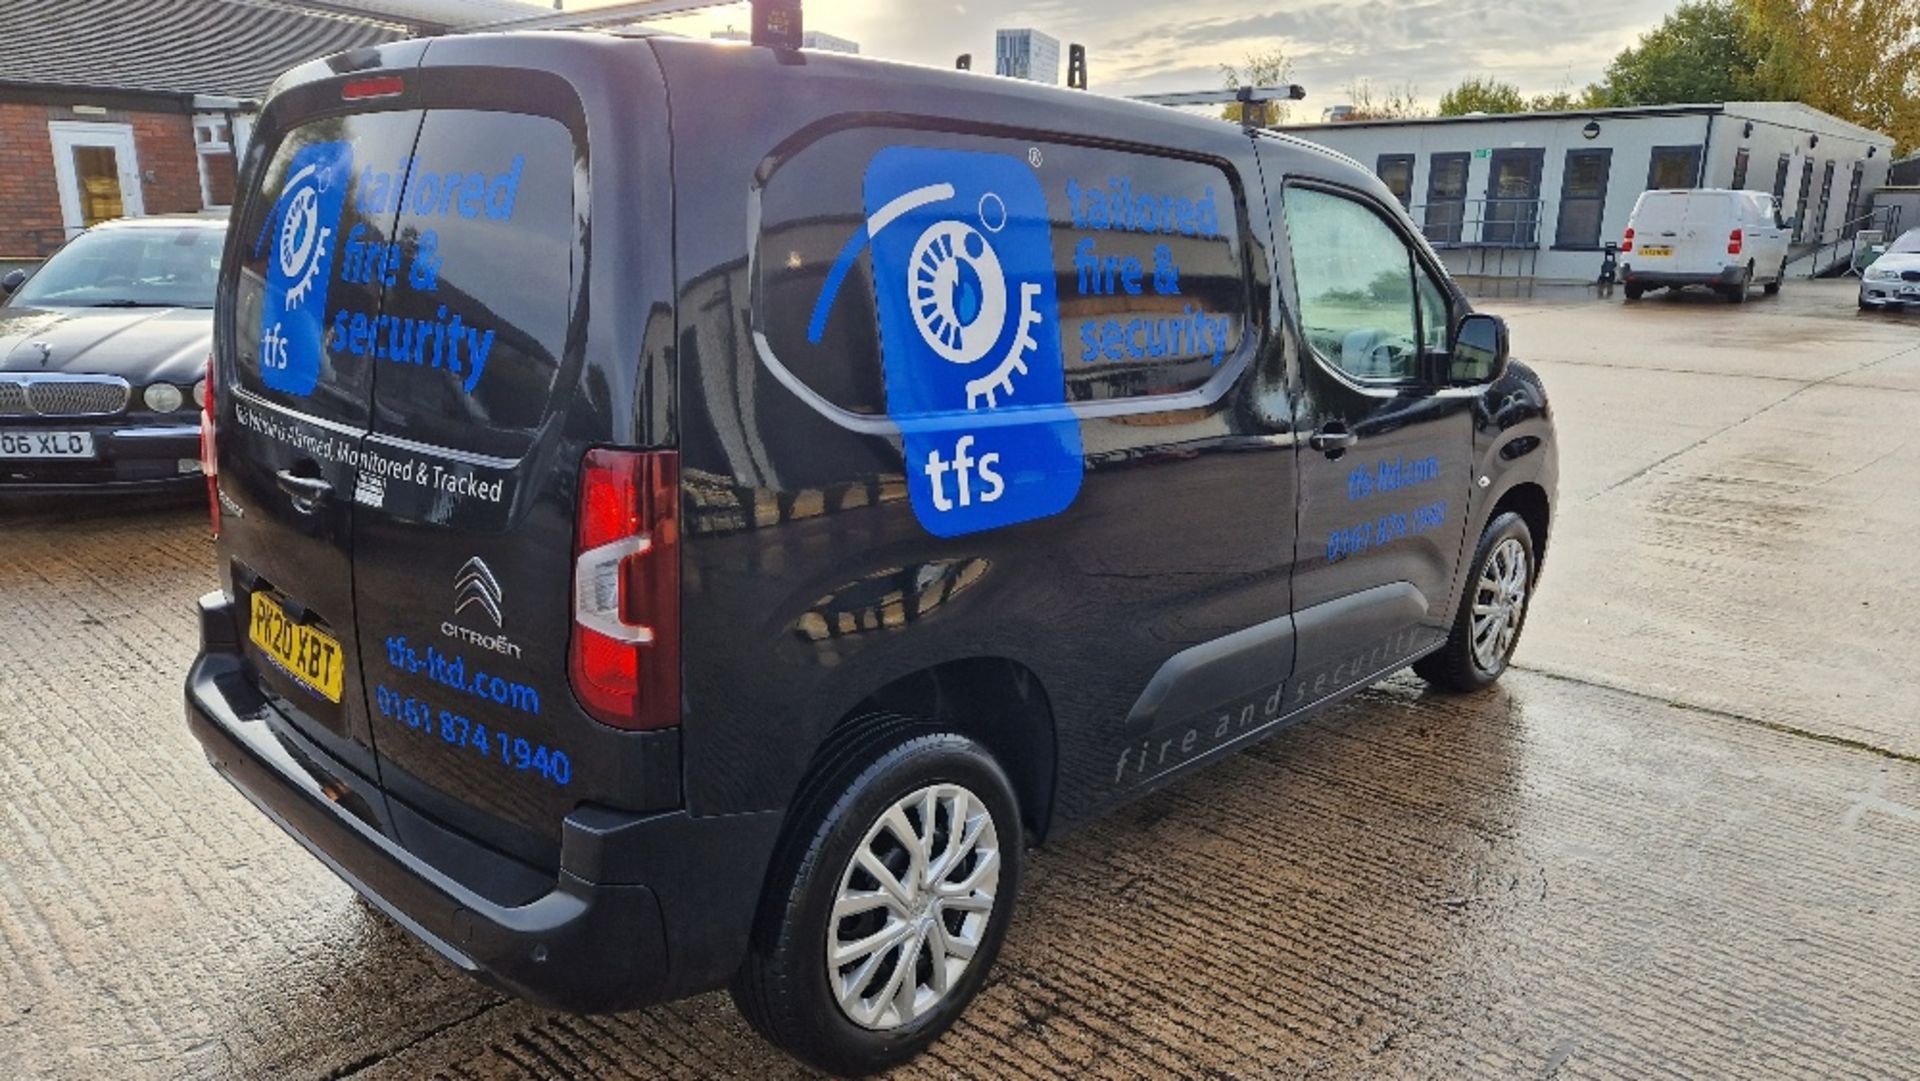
x=297 y=238
x=970 y=337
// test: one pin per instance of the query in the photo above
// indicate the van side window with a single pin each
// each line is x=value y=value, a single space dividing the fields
x=1149 y=284
x=1355 y=280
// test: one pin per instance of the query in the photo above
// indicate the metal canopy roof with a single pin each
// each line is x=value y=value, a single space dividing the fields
x=222 y=47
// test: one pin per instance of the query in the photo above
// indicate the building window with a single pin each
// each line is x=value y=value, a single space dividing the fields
x=1780 y=179
x=218 y=141
x=1512 y=219
x=1800 y=207
x=1396 y=171
x=1583 y=198
x=1446 y=197
x=1854 y=209
x=1740 y=159
x=1825 y=203
x=1674 y=167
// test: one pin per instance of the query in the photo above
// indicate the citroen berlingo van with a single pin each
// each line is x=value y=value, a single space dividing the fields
x=694 y=515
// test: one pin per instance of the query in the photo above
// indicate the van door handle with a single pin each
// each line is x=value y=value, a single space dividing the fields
x=1333 y=439
x=307 y=493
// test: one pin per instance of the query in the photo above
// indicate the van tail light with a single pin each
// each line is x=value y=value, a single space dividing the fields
x=209 y=449
x=625 y=658
x=1734 y=241
x=1626 y=242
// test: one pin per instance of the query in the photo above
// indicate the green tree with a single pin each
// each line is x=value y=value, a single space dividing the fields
x=1270 y=68
x=1564 y=100
x=1702 y=52
x=1482 y=94
x=1855 y=59
x=1391 y=103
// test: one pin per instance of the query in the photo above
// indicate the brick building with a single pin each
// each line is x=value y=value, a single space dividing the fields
x=142 y=106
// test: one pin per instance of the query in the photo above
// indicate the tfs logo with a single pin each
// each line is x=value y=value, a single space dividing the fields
x=970 y=337
x=300 y=232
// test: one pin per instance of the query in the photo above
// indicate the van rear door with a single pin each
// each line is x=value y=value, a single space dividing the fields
x=464 y=522
x=296 y=405
x=1660 y=231
x=1692 y=227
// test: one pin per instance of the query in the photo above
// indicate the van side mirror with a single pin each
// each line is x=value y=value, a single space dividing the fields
x=1479 y=349
x=13 y=280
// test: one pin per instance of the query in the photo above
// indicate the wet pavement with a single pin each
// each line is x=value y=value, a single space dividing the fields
x=1681 y=840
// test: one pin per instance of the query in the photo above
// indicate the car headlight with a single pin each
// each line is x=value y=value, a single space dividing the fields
x=1876 y=274
x=164 y=397
x=200 y=394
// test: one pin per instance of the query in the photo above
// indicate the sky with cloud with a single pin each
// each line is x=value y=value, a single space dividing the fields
x=1141 y=46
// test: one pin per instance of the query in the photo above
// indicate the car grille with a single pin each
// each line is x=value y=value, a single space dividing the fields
x=44 y=397
x=1910 y=275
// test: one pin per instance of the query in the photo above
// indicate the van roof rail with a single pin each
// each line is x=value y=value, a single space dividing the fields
x=1245 y=95
x=775 y=22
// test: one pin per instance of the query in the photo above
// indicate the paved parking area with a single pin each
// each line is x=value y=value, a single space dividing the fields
x=1682 y=840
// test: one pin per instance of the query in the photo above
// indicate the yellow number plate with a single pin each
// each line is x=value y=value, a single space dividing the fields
x=307 y=654
x=1656 y=250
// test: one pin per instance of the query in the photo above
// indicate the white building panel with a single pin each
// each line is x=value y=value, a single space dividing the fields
x=1483 y=226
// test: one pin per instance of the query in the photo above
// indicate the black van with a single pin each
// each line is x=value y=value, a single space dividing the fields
x=692 y=515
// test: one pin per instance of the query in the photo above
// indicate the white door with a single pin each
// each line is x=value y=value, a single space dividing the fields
x=97 y=172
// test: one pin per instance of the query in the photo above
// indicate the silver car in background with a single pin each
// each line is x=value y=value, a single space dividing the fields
x=1893 y=280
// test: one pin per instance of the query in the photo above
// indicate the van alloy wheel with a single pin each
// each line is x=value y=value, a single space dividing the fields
x=913 y=906
x=1499 y=603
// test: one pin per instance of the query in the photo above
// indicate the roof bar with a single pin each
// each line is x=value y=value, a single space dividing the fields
x=775 y=22
x=1245 y=95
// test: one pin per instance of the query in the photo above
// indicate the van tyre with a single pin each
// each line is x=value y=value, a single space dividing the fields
x=887 y=900
x=1493 y=610
x=1772 y=288
x=1739 y=290
x=1635 y=292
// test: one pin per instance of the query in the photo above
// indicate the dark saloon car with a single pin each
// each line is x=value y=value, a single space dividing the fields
x=103 y=355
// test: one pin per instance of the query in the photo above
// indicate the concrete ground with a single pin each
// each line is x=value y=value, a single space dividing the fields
x=1680 y=840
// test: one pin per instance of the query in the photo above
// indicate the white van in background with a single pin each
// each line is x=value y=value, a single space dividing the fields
x=1726 y=240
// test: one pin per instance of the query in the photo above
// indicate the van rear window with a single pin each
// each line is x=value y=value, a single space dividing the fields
x=479 y=282
x=1148 y=293
x=289 y=283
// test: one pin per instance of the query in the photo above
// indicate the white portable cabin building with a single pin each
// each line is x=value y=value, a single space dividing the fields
x=1539 y=195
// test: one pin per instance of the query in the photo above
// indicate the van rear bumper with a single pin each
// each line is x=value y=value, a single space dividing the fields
x=1728 y=276
x=598 y=941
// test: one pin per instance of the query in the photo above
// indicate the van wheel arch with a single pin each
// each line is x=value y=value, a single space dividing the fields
x=997 y=702
x=1530 y=502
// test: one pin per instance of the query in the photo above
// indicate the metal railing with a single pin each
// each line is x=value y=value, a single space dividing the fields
x=1480 y=223
x=1826 y=250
